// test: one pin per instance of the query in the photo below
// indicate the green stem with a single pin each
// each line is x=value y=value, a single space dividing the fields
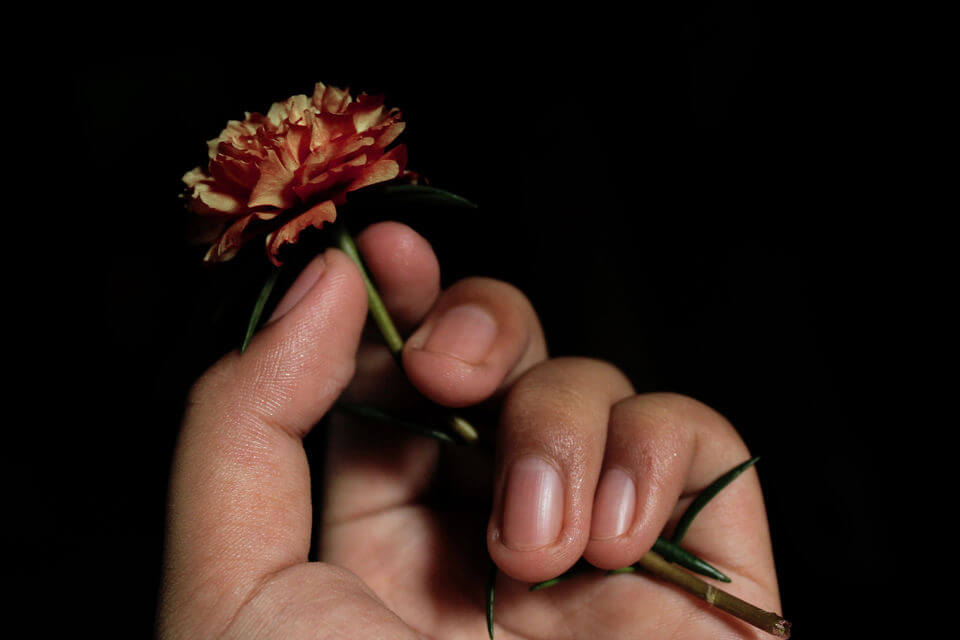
x=378 y=310
x=653 y=563
x=380 y=315
x=772 y=623
x=665 y=548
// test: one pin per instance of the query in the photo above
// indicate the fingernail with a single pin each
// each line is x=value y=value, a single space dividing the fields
x=613 y=505
x=466 y=332
x=304 y=282
x=533 y=505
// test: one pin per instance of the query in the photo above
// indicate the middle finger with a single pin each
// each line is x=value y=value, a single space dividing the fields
x=550 y=450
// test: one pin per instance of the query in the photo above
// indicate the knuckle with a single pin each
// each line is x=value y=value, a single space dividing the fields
x=559 y=398
x=489 y=289
x=650 y=430
x=573 y=377
x=677 y=415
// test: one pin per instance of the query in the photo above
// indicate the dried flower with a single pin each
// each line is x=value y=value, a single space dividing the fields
x=281 y=173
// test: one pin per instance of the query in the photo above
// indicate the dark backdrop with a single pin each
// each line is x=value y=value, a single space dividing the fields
x=694 y=200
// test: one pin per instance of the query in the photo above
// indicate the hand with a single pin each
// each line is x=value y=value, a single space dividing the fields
x=584 y=467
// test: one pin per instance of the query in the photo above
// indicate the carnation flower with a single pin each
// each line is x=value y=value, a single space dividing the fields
x=288 y=170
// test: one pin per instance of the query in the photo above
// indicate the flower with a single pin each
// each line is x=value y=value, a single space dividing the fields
x=288 y=170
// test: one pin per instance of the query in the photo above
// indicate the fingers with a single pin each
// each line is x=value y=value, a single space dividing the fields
x=479 y=336
x=661 y=447
x=405 y=268
x=240 y=492
x=589 y=469
x=551 y=441
x=470 y=341
x=368 y=471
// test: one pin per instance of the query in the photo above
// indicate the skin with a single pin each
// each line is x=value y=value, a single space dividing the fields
x=399 y=540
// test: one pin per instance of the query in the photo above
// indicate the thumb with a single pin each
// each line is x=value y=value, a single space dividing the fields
x=300 y=362
x=240 y=486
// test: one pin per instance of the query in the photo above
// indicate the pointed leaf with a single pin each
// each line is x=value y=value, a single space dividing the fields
x=684 y=558
x=491 y=584
x=258 y=308
x=366 y=411
x=409 y=195
x=706 y=496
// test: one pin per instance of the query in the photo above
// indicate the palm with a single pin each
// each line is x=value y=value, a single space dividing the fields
x=428 y=562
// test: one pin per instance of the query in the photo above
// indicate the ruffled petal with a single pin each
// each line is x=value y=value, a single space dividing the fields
x=193 y=177
x=304 y=151
x=341 y=174
x=290 y=232
x=389 y=133
x=241 y=175
x=272 y=189
x=230 y=241
x=330 y=99
x=206 y=200
x=386 y=168
x=366 y=118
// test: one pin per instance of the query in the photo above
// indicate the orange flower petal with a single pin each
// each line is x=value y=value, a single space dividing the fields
x=390 y=133
x=386 y=168
x=290 y=232
x=305 y=152
x=230 y=242
x=330 y=99
x=207 y=201
x=272 y=189
x=341 y=174
x=240 y=174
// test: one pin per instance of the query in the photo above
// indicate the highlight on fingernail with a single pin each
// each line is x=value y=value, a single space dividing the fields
x=533 y=504
x=304 y=282
x=613 y=505
x=466 y=332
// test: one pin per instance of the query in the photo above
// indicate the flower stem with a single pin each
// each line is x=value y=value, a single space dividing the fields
x=772 y=623
x=381 y=317
x=378 y=310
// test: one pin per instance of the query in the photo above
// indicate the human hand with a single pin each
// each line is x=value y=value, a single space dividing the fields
x=584 y=467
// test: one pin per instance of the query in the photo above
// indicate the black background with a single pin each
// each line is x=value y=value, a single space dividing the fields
x=695 y=198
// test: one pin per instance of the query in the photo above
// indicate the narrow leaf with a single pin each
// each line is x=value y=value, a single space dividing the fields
x=410 y=194
x=684 y=558
x=258 y=308
x=491 y=584
x=578 y=569
x=366 y=411
x=706 y=496
x=668 y=550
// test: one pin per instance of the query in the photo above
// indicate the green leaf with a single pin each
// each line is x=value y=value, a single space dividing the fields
x=366 y=411
x=706 y=496
x=491 y=584
x=684 y=558
x=258 y=308
x=409 y=195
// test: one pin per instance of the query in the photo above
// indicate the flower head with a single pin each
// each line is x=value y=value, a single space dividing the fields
x=288 y=170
